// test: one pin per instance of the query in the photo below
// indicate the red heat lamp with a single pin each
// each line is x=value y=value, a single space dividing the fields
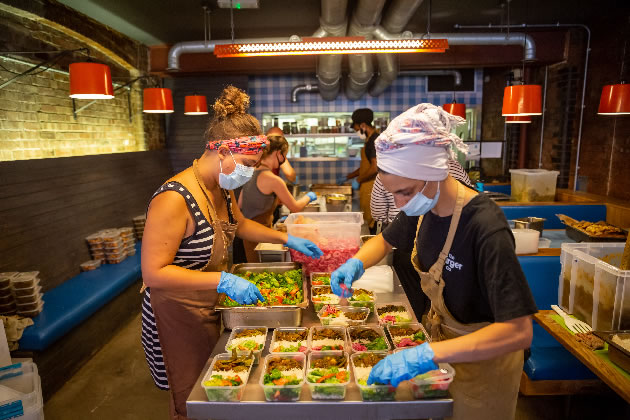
x=520 y=100
x=90 y=81
x=158 y=101
x=525 y=119
x=615 y=100
x=195 y=105
x=455 y=109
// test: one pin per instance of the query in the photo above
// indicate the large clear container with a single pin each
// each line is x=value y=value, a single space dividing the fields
x=242 y=351
x=565 y=287
x=398 y=339
x=371 y=392
x=283 y=393
x=385 y=316
x=533 y=185
x=359 y=344
x=433 y=384
x=302 y=345
x=21 y=392
x=318 y=345
x=362 y=298
x=344 y=318
x=611 y=296
x=224 y=393
x=330 y=391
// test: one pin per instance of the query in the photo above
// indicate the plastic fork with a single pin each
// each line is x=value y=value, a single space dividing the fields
x=574 y=325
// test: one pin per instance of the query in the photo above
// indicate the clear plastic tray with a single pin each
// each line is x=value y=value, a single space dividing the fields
x=322 y=391
x=362 y=303
x=317 y=305
x=305 y=344
x=90 y=265
x=378 y=330
x=341 y=330
x=224 y=393
x=25 y=280
x=342 y=320
x=5 y=279
x=32 y=313
x=433 y=384
x=396 y=339
x=283 y=393
x=408 y=318
x=257 y=353
x=30 y=306
x=372 y=392
x=533 y=185
x=325 y=279
x=7 y=299
x=94 y=239
x=27 y=291
x=36 y=294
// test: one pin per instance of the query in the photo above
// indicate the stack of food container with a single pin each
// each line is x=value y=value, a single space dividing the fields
x=114 y=246
x=27 y=292
x=97 y=247
x=138 y=225
x=7 y=300
x=90 y=265
x=126 y=233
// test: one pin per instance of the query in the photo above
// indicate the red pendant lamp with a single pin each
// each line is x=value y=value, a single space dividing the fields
x=524 y=119
x=195 y=105
x=158 y=101
x=90 y=81
x=519 y=100
x=615 y=100
x=455 y=109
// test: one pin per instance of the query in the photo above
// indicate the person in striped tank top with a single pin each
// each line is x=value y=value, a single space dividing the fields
x=190 y=224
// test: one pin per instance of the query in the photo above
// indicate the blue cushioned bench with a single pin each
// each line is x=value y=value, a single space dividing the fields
x=588 y=212
x=498 y=188
x=69 y=304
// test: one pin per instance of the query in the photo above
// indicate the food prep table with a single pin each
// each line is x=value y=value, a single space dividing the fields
x=253 y=404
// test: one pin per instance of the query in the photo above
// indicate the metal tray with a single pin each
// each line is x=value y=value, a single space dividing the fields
x=581 y=236
x=267 y=316
x=617 y=354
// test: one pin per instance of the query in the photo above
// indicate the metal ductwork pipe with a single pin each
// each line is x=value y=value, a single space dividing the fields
x=333 y=22
x=457 y=76
x=301 y=89
x=365 y=17
x=394 y=21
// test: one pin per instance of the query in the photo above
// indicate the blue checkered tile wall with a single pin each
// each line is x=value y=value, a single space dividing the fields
x=322 y=171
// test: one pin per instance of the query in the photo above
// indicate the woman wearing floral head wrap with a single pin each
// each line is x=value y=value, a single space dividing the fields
x=190 y=224
x=463 y=250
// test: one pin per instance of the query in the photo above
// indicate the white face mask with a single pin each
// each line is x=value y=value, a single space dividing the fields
x=362 y=135
x=239 y=176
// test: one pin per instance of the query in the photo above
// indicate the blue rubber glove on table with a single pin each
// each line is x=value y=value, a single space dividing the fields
x=312 y=196
x=347 y=274
x=403 y=365
x=239 y=289
x=304 y=246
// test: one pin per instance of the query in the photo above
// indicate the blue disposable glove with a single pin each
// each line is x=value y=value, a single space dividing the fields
x=347 y=274
x=355 y=184
x=312 y=196
x=282 y=219
x=239 y=289
x=342 y=179
x=403 y=365
x=304 y=246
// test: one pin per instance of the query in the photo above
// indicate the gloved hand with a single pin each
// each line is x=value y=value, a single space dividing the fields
x=311 y=195
x=282 y=219
x=304 y=246
x=239 y=289
x=347 y=274
x=355 y=184
x=403 y=365
x=342 y=179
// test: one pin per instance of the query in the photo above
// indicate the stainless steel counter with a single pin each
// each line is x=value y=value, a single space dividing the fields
x=253 y=405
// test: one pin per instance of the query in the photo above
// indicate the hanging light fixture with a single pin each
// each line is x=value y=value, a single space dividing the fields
x=195 y=105
x=615 y=100
x=524 y=119
x=90 y=81
x=158 y=101
x=519 y=100
x=455 y=109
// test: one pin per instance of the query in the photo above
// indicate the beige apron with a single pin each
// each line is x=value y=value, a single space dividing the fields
x=187 y=323
x=365 y=190
x=480 y=390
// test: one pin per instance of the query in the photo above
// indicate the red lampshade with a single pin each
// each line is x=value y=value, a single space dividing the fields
x=90 y=81
x=522 y=100
x=525 y=119
x=455 y=109
x=158 y=101
x=195 y=105
x=615 y=100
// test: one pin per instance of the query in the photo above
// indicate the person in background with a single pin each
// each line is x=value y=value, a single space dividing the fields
x=286 y=168
x=260 y=196
x=190 y=225
x=384 y=211
x=463 y=250
x=366 y=173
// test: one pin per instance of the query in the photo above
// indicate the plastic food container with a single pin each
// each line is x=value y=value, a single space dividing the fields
x=111 y=248
x=7 y=299
x=116 y=260
x=6 y=291
x=358 y=344
x=433 y=384
x=94 y=239
x=90 y=265
x=533 y=185
x=283 y=393
x=33 y=312
x=301 y=346
x=8 y=308
x=126 y=231
x=110 y=236
x=362 y=298
x=29 y=306
x=256 y=352
x=526 y=241
x=24 y=280
x=566 y=288
x=544 y=243
x=327 y=391
x=343 y=318
x=5 y=279
x=371 y=392
x=32 y=297
x=21 y=392
x=224 y=393
x=130 y=251
x=387 y=316
x=535 y=223
x=319 y=345
x=402 y=341
x=27 y=291
x=328 y=298
x=320 y=279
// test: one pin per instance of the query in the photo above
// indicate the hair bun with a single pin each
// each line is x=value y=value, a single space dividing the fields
x=232 y=101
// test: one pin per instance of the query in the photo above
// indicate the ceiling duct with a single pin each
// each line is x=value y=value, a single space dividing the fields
x=333 y=22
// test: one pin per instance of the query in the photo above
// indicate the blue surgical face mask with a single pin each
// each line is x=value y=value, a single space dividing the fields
x=239 y=176
x=420 y=204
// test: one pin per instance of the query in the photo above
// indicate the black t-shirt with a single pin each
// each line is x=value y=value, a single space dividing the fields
x=370 y=146
x=484 y=280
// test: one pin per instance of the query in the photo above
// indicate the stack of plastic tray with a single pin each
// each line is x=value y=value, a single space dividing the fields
x=114 y=246
x=7 y=300
x=90 y=265
x=27 y=292
x=21 y=392
x=129 y=241
x=138 y=225
x=97 y=247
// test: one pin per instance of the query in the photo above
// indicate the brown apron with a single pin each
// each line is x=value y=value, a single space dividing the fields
x=480 y=390
x=188 y=325
x=265 y=219
x=365 y=190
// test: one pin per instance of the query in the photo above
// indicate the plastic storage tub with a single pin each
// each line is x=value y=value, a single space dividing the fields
x=358 y=345
x=283 y=393
x=526 y=241
x=433 y=384
x=533 y=185
x=21 y=392
x=565 y=286
x=337 y=342
x=257 y=352
x=342 y=319
x=330 y=391
x=224 y=393
x=302 y=345
x=371 y=392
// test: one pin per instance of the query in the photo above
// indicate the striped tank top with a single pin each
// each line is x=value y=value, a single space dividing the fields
x=193 y=253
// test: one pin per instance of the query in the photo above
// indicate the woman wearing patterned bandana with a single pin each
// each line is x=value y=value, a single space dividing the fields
x=463 y=251
x=191 y=222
